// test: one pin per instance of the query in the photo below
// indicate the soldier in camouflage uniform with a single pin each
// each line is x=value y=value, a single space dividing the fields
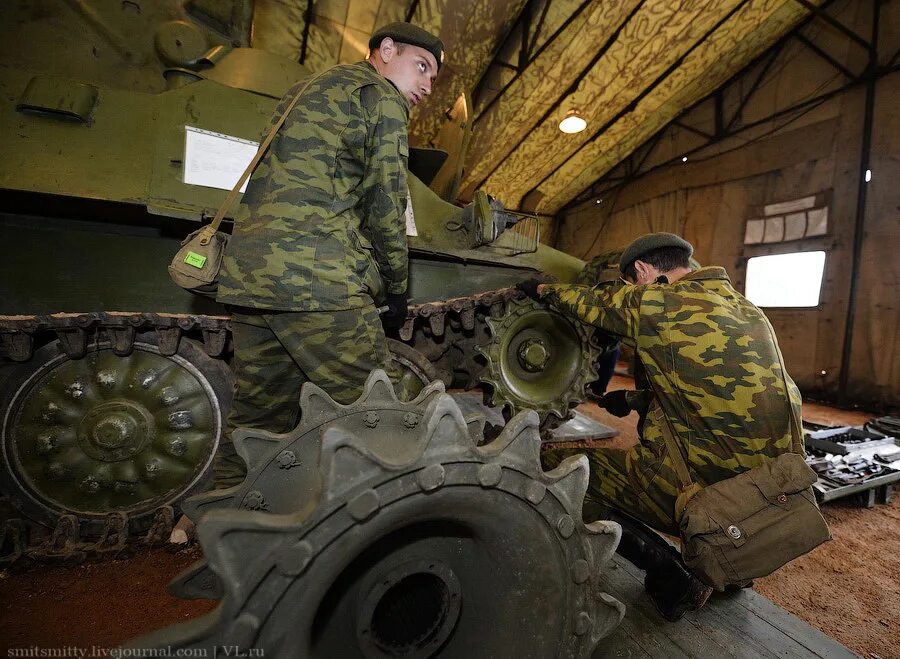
x=322 y=236
x=716 y=378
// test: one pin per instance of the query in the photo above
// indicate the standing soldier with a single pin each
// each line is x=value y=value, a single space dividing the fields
x=714 y=376
x=323 y=236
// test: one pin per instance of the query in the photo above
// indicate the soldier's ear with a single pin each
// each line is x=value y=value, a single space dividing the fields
x=387 y=49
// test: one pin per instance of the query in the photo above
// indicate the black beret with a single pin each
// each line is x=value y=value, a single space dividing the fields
x=648 y=243
x=411 y=34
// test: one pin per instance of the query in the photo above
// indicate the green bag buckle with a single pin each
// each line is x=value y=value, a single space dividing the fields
x=194 y=259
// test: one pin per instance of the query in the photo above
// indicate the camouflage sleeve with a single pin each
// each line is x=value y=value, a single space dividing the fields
x=385 y=180
x=613 y=308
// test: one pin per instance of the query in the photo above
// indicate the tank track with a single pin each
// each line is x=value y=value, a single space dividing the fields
x=17 y=333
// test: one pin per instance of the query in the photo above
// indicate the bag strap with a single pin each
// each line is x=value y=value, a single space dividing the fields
x=207 y=232
x=688 y=488
x=678 y=462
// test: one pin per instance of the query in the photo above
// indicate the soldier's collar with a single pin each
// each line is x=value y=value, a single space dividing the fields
x=709 y=272
x=388 y=81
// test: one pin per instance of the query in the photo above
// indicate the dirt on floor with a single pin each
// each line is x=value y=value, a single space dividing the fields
x=849 y=588
x=94 y=606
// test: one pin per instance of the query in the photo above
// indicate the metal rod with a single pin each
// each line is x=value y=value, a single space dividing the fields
x=523 y=47
x=307 y=15
x=828 y=58
x=756 y=83
x=692 y=129
x=859 y=228
x=719 y=112
x=539 y=26
x=412 y=10
x=893 y=60
x=834 y=23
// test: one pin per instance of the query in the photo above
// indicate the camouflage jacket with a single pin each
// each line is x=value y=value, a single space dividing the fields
x=712 y=362
x=322 y=224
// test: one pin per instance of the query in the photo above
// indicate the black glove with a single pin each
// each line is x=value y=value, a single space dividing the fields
x=395 y=316
x=529 y=287
x=615 y=403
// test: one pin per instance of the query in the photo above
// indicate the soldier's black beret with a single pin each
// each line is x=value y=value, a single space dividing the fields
x=411 y=34
x=648 y=243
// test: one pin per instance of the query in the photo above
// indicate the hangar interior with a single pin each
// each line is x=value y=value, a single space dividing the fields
x=751 y=128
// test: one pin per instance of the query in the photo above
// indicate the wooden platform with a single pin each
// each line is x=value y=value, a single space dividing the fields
x=743 y=624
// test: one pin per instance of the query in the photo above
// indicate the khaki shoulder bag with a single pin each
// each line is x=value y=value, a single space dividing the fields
x=197 y=264
x=749 y=525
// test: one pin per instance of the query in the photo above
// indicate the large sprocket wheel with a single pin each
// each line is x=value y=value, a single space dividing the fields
x=410 y=544
x=537 y=359
x=108 y=433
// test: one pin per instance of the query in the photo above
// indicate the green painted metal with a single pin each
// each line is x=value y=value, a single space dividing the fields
x=105 y=433
x=95 y=99
x=537 y=359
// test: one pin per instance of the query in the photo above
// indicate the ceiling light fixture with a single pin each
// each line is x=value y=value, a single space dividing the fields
x=573 y=122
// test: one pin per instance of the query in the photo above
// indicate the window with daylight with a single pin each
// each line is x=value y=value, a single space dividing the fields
x=788 y=220
x=785 y=280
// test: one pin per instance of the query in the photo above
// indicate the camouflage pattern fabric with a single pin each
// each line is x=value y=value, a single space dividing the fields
x=713 y=366
x=601 y=269
x=275 y=353
x=322 y=225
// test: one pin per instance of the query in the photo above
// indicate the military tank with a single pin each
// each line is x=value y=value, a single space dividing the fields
x=118 y=122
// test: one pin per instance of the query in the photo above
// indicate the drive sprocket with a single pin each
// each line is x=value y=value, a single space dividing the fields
x=414 y=543
x=537 y=359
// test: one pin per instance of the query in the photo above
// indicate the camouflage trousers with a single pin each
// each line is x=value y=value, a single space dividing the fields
x=640 y=481
x=275 y=353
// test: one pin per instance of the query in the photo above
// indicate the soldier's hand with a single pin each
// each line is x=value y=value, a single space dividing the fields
x=395 y=316
x=530 y=288
x=615 y=402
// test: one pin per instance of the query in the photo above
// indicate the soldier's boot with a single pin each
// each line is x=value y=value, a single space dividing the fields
x=672 y=588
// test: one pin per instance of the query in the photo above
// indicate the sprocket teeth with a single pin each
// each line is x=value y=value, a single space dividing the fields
x=501 y=392
x=316 y=404
x=432 y=389
x=570 y=481
x=378 y=387
x=195 y=507
x=196 y=582
x=229 y=537
x=254 y=445
x=475 y=424
x=520 y=438
x=608 y=613
x=603 y=537
x=444 y=423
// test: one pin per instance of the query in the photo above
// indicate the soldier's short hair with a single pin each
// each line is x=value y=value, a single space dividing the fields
x=663 y=259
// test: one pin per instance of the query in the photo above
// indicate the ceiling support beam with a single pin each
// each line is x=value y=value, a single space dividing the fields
x=307 y=17
x=773 y=55
x=691 y=129
x=819 y=12
x=850 y=75
x=413 y=6
x=871 y=78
